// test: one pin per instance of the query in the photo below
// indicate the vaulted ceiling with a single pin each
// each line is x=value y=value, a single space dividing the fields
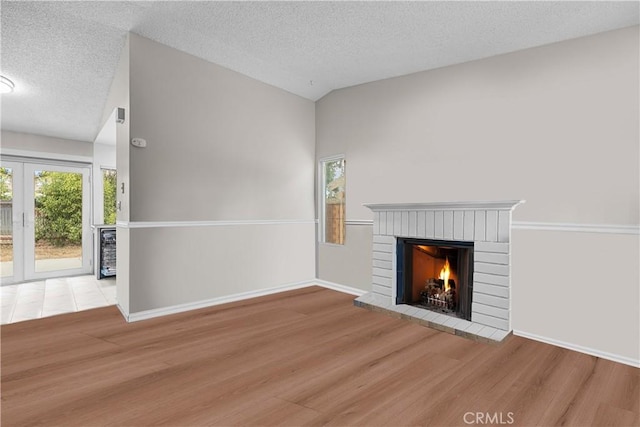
x=62 y=55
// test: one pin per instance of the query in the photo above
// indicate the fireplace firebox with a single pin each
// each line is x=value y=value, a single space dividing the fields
x=436 y=275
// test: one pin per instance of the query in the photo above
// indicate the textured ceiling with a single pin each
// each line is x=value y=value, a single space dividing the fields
x=62 y=55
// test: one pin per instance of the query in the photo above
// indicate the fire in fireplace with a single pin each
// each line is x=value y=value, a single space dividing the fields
x=436 y=275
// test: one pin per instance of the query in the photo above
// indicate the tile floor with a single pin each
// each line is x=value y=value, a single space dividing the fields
x=45 y=298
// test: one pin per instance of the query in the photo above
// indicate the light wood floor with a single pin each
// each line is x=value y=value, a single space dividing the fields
x=305 y=357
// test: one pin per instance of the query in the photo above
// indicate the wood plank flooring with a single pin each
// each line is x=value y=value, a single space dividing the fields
x=305 y=357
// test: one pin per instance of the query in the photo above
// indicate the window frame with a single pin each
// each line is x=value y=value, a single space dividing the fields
x=322 y=236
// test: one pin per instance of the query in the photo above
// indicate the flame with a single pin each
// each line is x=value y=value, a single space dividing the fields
x=445 y=273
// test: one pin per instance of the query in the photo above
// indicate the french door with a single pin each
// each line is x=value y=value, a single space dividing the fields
x=49 y=231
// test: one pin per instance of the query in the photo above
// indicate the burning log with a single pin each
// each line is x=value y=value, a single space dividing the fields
x=434 y=294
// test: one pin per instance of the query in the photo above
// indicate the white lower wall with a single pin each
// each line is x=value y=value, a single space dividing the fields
x=179 y=265
x=578 y=289
x=122 y=269
x=348 y=264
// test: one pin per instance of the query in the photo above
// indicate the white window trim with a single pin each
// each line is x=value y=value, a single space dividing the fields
x=321 y=199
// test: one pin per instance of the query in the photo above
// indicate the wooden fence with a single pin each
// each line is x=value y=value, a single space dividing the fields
x=6 y=218
x=334 y=223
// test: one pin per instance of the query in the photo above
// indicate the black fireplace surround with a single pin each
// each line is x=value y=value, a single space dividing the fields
x=421 y=279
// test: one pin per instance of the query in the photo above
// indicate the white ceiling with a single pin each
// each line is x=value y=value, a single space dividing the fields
x=62 y=55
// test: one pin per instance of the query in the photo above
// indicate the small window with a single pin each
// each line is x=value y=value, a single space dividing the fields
x=333 y=200
x=109 y=186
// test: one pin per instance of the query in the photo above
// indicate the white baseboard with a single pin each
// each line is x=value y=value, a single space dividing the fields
x=179 y=308
x=602 y=354
x=124 y=314
x=338 y=287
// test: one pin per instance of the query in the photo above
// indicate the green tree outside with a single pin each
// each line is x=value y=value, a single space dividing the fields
x=109 y=185
x=6 y=181
x=59 y=208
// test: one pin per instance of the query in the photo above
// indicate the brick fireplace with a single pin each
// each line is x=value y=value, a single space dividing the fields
x=483 y=226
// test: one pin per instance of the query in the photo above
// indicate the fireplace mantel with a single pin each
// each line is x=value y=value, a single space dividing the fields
x=487 y=224
x=445 y=206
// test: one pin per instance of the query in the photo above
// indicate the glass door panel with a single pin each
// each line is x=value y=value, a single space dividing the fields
x=11 y=219
x=57 y=221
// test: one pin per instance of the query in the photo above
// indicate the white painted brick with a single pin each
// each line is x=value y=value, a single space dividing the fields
x=439 y=225
x=382 y=256
x=413 y=224
x=491 y=247
x=381 y=290
x=382 y=264
x=497 y=269
x=428 y=315
x=404 y=222
x=407 y=309
x=490 y=257
x=379 y=297
x=499 y=335
x=452 y=322
x=458 y=225
x=492 y=322
x=468 y=226
x=382 y=272
x=486 y=331
x=492 y=226
x=365 y=298
x=389 y=240
x=491 y=300
x=463 y=325
x=504 y=223
x=421 y=225
x=381 y=281
x=382 y=229
x=498 y=291
x=447 y=232
x=374 y=298
x=401 y=308
x=397 y=223
x=380 y=300
x=376 y=223
x=440 y=319
x=490 y=279
x=490 y=232
x=480 y=225
x=368 y=297
x=430 y=224
x=413 y=312
x=382 y=247
x=474 y=328
x=489 y=310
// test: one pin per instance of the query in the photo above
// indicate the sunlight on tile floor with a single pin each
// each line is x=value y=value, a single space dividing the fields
x=45 y=298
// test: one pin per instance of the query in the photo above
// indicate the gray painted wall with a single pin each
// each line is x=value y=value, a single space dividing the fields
x=104 y=157
x=39 y=144
x=221 y=146
x=555 y=125
x=229 y=145
x=119 y=98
